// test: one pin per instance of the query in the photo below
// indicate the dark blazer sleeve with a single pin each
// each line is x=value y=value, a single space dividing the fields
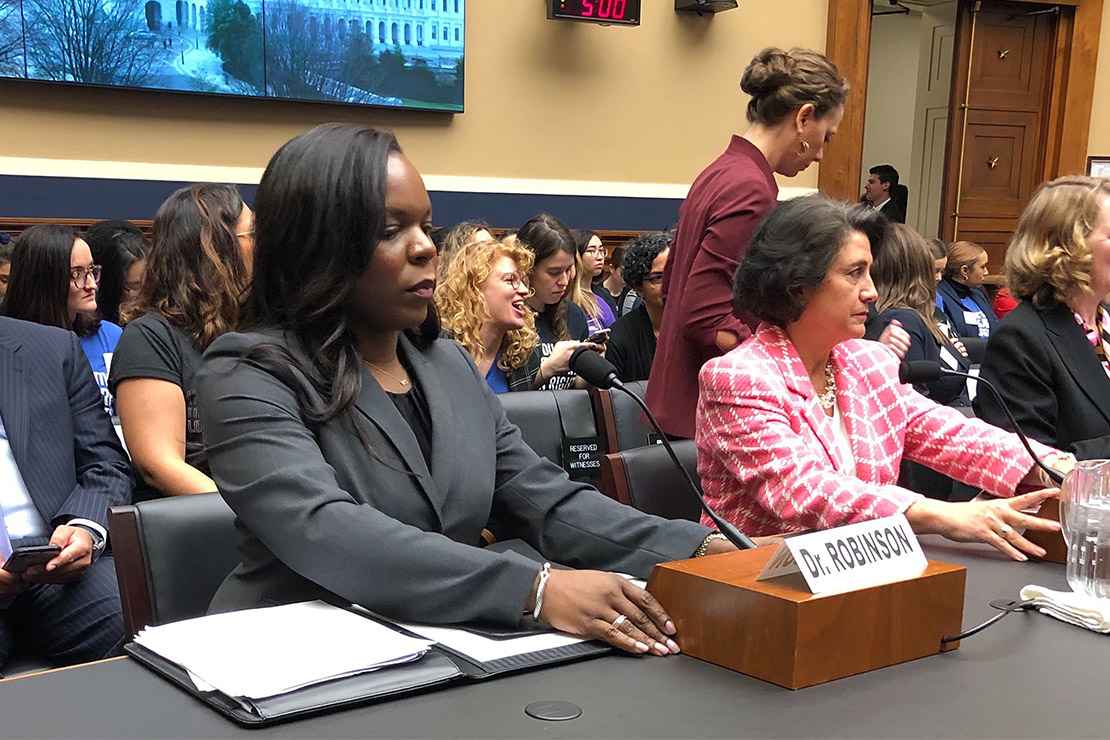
x=1018 y=362
x=570 y=522
x=103 y=470
x=270 y=469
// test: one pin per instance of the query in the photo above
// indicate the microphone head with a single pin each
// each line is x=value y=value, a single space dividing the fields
x=919 y=371
x=593 y=368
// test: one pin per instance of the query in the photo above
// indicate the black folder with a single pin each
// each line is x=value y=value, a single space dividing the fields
x=438 y=668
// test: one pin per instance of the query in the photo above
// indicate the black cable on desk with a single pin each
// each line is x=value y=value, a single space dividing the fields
x=1005 y=607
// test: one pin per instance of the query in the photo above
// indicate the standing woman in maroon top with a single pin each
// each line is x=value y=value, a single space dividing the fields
x=797 y=101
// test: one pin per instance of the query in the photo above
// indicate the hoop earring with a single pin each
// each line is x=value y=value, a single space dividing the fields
x=805 y=147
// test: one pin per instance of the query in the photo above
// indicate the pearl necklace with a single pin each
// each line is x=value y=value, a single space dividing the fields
x=828 y=398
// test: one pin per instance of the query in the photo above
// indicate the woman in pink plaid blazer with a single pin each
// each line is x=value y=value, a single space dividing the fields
x=804 y=425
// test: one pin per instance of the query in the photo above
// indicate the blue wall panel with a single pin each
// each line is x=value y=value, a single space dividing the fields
x=78 y=197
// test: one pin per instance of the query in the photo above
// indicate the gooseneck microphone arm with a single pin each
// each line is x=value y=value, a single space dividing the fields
x=599 y=372
x=925 y=371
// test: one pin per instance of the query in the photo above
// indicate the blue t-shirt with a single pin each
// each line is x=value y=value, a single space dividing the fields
x=99 y=348
x=496 y=378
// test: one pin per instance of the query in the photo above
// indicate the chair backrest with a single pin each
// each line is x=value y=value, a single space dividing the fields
x=560 y=426
x=646 y=478
x=171 y=555
x=620 y=421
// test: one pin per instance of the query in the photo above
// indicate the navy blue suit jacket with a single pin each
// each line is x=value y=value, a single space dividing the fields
x=67 y=451
x=954 y=310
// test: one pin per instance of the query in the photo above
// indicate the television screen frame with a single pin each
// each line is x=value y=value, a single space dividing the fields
x=402 y=15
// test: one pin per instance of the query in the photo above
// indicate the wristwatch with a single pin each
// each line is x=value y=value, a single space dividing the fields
x=99 y=542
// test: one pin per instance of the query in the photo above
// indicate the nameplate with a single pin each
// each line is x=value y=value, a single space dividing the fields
x=850 y=557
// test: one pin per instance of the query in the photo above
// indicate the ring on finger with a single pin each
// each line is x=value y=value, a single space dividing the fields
x=1005 y=530
x=621 y=619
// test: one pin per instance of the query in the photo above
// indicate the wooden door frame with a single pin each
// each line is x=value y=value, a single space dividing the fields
x=848 y=45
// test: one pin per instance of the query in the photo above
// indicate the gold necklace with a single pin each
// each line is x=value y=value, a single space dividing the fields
x=828 y=398
x=403 y=381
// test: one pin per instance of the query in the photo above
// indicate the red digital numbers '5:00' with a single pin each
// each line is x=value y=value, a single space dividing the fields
x=613 y=9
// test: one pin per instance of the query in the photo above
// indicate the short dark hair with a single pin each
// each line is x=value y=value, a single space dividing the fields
x=115 y=246
x=792 y=251
x=640 y=253
x=886 y=173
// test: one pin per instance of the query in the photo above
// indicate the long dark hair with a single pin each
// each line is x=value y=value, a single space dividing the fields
x=544 y=235
x=115 y=245
x=38 y=289
x=195 y=273
x=319 y=215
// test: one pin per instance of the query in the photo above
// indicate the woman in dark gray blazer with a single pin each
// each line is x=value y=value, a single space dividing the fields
x=363 y=455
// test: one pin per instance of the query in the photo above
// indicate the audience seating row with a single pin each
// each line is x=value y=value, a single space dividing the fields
x=172 y=554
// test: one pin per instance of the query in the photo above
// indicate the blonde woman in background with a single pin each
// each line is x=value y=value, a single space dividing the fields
x=450 y=239
x=1048 y=356
x=962 y=297
x=590 y=264
x=481 y=303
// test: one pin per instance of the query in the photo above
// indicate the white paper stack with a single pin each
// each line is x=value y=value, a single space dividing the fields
x=259 y=653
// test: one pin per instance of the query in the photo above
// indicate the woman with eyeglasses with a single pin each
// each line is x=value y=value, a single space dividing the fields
x=197 y=269
x=631 y=346
x=481 y=304
x=590 y=264
x=53 y=281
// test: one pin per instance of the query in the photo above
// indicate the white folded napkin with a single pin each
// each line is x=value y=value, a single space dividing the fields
x=1078 y=609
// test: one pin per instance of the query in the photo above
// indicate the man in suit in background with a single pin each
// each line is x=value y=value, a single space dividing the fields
x=61 y=468
x=880 y=190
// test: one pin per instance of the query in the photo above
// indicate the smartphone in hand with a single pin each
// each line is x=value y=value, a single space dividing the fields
x=599 y=337
x=23 y=558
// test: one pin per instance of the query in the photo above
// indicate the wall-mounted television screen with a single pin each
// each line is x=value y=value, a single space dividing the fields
x=393 y=53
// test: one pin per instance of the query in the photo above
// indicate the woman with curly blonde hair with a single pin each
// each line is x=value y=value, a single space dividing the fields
x=481 y=302
x=1048 y=357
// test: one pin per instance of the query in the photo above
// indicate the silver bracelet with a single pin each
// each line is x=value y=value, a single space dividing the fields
x=545 y=573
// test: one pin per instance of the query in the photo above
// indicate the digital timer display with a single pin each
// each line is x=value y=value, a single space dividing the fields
x=625 y=12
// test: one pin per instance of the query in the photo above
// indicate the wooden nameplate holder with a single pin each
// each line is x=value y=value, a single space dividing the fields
x=1056 y=550
x=778 y=631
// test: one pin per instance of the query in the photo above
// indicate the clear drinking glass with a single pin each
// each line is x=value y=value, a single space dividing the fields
x=1085 y=519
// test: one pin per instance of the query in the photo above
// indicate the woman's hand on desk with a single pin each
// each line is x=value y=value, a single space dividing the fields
x=995 y=522
x=590 y=603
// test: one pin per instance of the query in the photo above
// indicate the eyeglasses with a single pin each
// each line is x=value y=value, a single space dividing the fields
x=514 y=280
x=654 y=278
x=593 y=251
x=79 y=276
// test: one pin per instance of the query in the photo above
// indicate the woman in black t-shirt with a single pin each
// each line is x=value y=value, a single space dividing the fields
x=196 y=272
x=562 y=326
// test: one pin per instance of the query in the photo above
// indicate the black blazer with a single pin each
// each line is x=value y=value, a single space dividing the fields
x=924 y=346
x=68 y=454
x=951 y=293
x=322 y=516
x=1049 y=375
x=894 y=211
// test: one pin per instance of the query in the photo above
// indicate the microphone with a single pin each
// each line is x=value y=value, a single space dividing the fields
x=925 y=371
x=599 y=372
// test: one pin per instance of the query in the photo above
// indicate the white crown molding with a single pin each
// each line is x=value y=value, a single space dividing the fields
x=108 y=170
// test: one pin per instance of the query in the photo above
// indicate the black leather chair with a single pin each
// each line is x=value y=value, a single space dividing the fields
x=646 y=478
x=620 y=421
x=553 y=422
x=171 y=556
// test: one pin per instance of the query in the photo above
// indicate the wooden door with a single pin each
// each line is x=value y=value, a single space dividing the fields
x=996 y=143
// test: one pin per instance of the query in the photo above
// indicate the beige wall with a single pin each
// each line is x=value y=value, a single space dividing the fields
x=892 y=92
x=544 y=100
x=1098 y=144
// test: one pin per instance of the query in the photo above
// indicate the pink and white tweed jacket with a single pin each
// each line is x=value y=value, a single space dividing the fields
x=766 y=450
